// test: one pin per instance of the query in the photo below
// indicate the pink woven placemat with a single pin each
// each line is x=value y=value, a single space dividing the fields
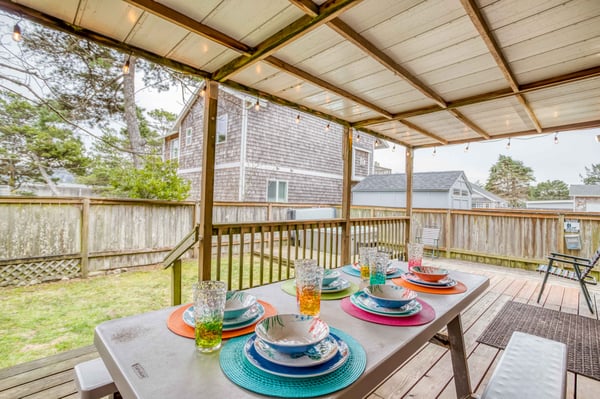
x=423 y=317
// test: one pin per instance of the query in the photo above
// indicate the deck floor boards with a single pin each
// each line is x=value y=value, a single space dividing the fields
x=427 y=374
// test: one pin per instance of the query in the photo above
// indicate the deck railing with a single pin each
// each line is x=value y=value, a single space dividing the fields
x=250 y=254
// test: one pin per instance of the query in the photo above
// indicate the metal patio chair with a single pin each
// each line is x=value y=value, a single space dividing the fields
x=580 y=273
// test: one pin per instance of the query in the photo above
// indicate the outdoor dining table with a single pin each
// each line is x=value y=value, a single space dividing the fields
x=146 y=360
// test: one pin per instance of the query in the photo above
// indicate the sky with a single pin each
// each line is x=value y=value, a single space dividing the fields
x=564 y=161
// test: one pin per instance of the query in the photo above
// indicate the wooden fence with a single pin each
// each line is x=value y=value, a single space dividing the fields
x=49 y=238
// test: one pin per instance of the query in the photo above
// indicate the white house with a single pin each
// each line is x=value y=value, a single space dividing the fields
x=446 y=190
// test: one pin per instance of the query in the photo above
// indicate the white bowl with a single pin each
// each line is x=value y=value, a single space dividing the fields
x=238 y=302
x=390 y=296
x=329 y=276
x=292 y=333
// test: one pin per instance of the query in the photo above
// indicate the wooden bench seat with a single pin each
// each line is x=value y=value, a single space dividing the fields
x=48 y=378
x=531 y=367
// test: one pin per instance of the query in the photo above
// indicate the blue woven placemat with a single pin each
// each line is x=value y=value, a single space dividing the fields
x=239 y=370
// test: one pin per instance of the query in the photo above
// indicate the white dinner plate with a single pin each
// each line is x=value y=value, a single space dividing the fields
x=265 y=365
x=315 y=355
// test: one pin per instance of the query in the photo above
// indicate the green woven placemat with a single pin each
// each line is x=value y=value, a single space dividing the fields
x=289 y=287
x=239 y=370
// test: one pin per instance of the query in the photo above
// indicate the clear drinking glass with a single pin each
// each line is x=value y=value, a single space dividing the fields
x=309 y=278
x=378 y=269
x=415 y=254
x=365 y=254
x=209 y=308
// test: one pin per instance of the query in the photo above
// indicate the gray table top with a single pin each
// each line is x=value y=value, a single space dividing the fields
x=147 y=360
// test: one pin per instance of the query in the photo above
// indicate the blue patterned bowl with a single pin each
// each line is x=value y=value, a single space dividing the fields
x=390 y=296
x=292 y=333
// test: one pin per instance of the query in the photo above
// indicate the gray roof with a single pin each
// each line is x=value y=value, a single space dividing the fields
x=425 y=181
x=484 y=193
x=584 y=190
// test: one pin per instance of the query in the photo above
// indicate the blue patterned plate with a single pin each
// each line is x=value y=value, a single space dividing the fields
x=447 y=282
x=315 y=355
x=338 y=285
x=248 y=318
x=363 y=302
x=297 y=372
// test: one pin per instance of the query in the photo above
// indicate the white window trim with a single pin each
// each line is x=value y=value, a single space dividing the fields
x=171 y=157
x=224 y=117
x=287 y=185
x=188 y=136
x=369 y=157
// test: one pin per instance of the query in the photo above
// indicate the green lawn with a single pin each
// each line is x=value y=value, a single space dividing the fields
x=44 y=319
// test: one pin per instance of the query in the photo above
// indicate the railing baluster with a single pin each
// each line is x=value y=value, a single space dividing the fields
x=262 y=255
x=241 y=268
x=252 y=233
x=219 y=248
x=230 y=258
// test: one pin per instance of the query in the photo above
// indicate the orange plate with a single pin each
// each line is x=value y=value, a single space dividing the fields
x=459 y=288
x=177 y=325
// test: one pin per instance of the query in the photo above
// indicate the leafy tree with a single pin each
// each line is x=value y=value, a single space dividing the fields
x=34 y=143
x=592 y=174
x=85 y=85
x=510 y=179
x=549 y=190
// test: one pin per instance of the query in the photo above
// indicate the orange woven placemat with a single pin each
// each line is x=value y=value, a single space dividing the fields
x=459 y=288
x=177 y=325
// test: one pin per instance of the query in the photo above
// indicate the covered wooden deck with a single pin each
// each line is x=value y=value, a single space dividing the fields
x=428 y=374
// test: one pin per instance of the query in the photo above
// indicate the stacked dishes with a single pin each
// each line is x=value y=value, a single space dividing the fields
x=430 y=277
x=241 y=310
x=333 y=282
x=387 y=300
x=295 y=346
x=392 y=268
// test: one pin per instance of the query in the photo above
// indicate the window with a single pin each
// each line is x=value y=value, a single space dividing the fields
x=174 y=149
x=188 y=136
x=222 y=128
x=277 y=191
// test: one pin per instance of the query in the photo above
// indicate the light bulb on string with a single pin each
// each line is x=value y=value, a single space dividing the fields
x=257 y=105
x=508 y=144
x=297 y=119
x=16 y=35
x=394 y=148
x=126 y=66
x=556 y=138
x=376 y=142
x=358 y=137
x=434 y=152
x=327 y=127
x=467 y=148
x=203 y=91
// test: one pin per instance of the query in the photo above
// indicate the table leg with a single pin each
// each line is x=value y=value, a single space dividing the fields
x=462 y=381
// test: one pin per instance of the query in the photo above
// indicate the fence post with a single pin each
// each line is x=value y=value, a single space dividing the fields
x=85 y=233
x=560 y=247
x=448 y=233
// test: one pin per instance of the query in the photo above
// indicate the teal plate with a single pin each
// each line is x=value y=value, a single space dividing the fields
x=241 y=372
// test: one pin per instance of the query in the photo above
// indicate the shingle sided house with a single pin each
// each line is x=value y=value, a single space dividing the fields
x=446 y=190
x=273 y=154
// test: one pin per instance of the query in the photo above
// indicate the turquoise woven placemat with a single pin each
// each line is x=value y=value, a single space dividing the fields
x=289 y=287
x=239 y=370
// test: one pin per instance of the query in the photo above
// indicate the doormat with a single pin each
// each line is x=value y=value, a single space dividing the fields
x=580 y=334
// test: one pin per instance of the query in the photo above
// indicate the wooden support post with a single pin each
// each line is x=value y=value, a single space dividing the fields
x=409 y=184
x=346 y=194
x=85 y=237
x=176 y=283
x=208 y=179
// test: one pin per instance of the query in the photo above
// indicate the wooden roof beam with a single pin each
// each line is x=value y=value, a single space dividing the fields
x=474 y=13
x=424 y=132
x=372 y=51
x=327 y=11
x=191 y=25
x=571 y=77
x=548 y=130
x=284 y=66
x=458 y=115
